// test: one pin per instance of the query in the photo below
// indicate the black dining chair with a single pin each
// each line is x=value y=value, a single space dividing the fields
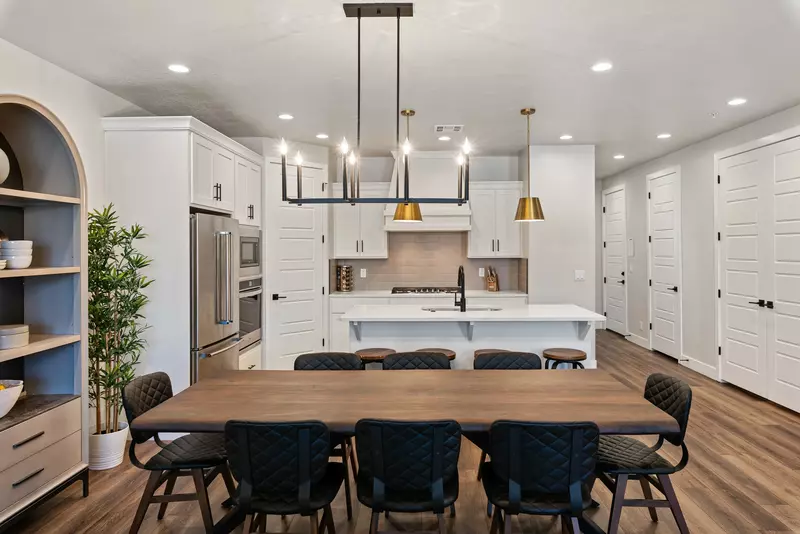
x=407 y=467
x=201 y=456
x=402 y=361
x=622 y=458
x=506 y=361
x=341 y=446
x=540 y=469
x=282 y=469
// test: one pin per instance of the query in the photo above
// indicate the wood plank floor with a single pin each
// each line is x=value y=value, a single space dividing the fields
x=743 y=477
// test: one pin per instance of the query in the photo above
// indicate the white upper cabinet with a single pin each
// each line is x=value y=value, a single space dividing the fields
x=213 y=175
x=358 y=231
x=224 y=176
x=248 y=192
x=494 y=232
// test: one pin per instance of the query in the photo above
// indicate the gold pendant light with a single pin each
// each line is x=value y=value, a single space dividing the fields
x=407 y=211
x=529 y=208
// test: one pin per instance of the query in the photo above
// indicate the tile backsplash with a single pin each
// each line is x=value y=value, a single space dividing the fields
x=431 y=259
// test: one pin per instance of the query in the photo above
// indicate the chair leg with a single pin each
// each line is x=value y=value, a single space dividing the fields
x=353 y=460
x=349 y=504
x=452 y=510
x=373 y=524
x=314 y=520
x=202 y=499
x=249 y=522
x=327 y=520
x=616 y=504
x=230 y=485
x=576 y=526
x=480 y=464
x=263 y=525
x=648 y=494
x=497 y=519
x=669 y=493
x=167 y=491
x=442 y=527
x=507 y=523
x=149 y=490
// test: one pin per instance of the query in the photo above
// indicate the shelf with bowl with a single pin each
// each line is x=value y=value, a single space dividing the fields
x=18 y=197
x=39 y=343
x=37 y=271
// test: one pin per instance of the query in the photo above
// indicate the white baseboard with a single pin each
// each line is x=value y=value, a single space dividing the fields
x=639 y=340
x=701 y=367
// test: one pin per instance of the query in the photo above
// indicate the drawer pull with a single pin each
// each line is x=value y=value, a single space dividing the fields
x=27 y=478
x=28 y=440
x=250 y=366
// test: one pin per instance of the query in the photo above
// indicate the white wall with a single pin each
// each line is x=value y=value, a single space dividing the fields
x=699 y=292
x=270 y=148
x=77 y=103
x=563 y=178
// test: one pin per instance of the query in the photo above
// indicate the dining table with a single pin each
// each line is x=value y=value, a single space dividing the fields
x=473 y=398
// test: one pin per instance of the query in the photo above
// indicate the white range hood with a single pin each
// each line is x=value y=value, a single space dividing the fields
x=431 y=175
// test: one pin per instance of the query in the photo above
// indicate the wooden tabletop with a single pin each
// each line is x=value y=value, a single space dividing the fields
x=474 y=398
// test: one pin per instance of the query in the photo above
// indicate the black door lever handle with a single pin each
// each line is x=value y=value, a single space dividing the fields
x=275 y=296
x=674 y=288
x=770 y=305
x=760 y=303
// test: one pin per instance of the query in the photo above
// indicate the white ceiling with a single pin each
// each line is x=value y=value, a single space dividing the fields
x=471 y=62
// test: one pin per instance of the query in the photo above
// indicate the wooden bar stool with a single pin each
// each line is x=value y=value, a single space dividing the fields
x=481 y=352
x=374 y=355
x=554 y=357
x=451 y=354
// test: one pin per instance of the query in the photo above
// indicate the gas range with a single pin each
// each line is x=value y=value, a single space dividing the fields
x=424 y=290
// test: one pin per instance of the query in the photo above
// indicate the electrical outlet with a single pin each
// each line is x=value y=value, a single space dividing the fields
x=580 y=276
x=363 y=273
x=481 y=272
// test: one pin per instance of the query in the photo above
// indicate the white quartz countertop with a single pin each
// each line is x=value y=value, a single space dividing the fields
x=387 y=293
x=414 y=313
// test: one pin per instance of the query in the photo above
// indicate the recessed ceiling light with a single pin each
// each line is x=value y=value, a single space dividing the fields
x=322 y=136
x=619 y=156
x=565 y=137
x=737 y=101
x=602 y=66
x=664 y=136
x=180 y=69
x=444 y=138
x=285 y=117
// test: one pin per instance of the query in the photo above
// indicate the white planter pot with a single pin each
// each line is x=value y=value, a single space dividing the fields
x=107 y=450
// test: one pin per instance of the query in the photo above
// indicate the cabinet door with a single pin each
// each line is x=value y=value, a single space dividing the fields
x=242 y=195
x=374 y=240
x=481 y=242
x=254 y=193
x=251 y=360
x=340 y=335
x=346 y=234
x=203 y=190
x=224 y=175
x=508 y=237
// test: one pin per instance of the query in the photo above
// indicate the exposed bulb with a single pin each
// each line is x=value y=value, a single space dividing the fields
x=344 y=147
x=467 y=147
x=298 y=159
x=352 y=159
x=460 y=159
x=284 y=148
x=406 y=147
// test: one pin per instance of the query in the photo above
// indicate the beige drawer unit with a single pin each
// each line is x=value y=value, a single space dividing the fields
x=251 y=360
x=31 y=436
x=27 y=476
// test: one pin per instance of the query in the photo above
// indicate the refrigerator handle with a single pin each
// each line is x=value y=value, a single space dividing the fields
x=224 y=291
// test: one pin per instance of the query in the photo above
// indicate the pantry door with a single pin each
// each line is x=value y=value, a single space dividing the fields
x=615 y=260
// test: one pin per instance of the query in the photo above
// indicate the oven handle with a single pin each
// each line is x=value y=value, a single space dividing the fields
x=250 y=292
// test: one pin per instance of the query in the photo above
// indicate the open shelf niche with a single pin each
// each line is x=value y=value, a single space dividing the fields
x=43 y=200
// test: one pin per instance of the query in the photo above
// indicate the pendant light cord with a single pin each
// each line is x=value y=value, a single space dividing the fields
x=528 y=149
x=397 y=103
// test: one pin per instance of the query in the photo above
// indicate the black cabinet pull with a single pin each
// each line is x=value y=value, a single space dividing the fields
x=27 y=440
x=492 y=245
x=674 y=288
x=220 y=192
x=760 y=303
x=26 y=478
x=250 y=366
x=275 y=296
x=498 y=245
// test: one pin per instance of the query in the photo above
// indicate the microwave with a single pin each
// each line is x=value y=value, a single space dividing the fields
x=249 y=252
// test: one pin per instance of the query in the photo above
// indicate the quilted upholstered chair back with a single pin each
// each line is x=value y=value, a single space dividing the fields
x=328 y=361
x=673 y=396
x=415 y=360
x=143 y=394
x=545 y=458
x=508 y=360
x=408 y=456
x=277 y=458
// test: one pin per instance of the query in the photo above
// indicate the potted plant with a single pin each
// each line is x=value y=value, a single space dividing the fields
x=116 y=328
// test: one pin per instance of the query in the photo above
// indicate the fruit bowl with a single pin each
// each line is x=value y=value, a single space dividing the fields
x=9 y=394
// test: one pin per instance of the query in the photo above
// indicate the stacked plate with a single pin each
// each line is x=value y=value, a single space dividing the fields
x=16 y=254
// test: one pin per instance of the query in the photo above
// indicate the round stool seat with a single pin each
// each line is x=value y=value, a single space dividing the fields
x=374 y=354
x=481 y=352
x=557 y=356
x=451 y=355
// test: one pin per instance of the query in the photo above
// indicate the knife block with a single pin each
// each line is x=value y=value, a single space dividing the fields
x=492 y=283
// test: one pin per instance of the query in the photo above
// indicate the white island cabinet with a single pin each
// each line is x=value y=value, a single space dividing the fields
x=531 y=328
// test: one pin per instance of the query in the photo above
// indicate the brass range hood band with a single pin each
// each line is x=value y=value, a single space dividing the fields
x=359 y=11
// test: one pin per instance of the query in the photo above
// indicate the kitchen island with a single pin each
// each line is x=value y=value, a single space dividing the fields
x=531 y=328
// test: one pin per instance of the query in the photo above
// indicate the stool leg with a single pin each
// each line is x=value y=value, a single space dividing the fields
x=579 y=364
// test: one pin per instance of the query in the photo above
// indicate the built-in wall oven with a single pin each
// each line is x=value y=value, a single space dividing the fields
x=250 y=288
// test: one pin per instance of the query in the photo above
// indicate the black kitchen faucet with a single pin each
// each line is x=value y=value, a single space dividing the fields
x=462 y=304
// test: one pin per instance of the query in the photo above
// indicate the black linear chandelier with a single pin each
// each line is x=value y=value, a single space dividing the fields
x=351 y=182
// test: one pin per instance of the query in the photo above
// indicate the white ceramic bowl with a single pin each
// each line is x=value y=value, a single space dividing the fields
x=9 y=395
x=13 y=341
x=17 y=262
x=2 y=264
x=16 y=245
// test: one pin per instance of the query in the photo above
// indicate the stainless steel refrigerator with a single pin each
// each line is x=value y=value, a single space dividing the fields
x=215 y=295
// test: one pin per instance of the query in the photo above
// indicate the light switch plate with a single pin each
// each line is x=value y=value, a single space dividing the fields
x=481 y=272
x=580 y=276
x=363 y=273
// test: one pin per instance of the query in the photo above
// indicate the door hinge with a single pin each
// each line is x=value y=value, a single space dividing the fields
x=323 y=290
x=648 y=195
x=719 y=293
x=651 y=326
x=604 y=209
x=649 y=239
x=719 y=236
x=718 y=179
x=719 y=351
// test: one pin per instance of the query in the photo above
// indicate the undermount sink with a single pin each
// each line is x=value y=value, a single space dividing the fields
x=457 y=309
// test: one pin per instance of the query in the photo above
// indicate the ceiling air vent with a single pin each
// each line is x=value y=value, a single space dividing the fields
x=448 y=128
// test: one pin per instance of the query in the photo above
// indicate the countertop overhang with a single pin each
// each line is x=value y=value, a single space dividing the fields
x=416 y=313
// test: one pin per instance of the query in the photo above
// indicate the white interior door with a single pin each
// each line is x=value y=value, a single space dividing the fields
x=664 y=192
x=295 y=269
x=615 y=261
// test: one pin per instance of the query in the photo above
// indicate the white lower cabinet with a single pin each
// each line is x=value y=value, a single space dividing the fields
x=250 y=360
